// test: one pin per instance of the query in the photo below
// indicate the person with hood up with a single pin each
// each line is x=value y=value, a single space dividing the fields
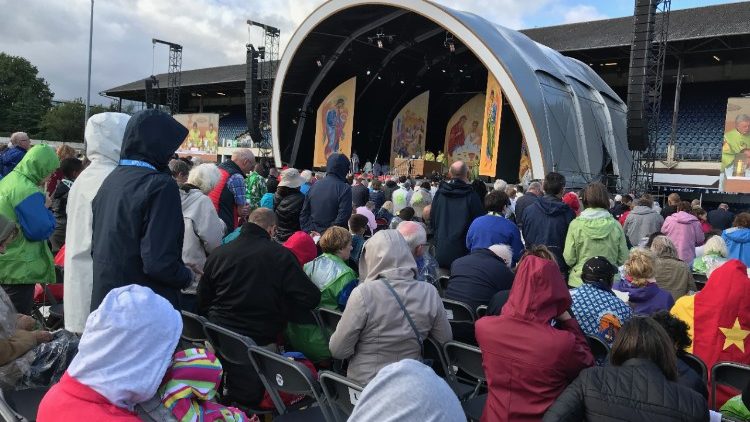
x=684 y=230
x=203 y=227
x=737 y=238
x=644 y=296
x=453 y=208
x=594 y=233
x=671 y=274
x=407 y=391
x=532 y=362
x=287 y=204
x=27 y=259
x=390 y=313
x=572 y=200
x=642 y=221
x=493 y=228
x=329 y=201
x=420 y=199
x=137 y=230
x=302 y=246
x=104 y=133
x=546 y=221
x=20 y=144
x=70 y=168
x=402 y=196
x=714 y=254
x=122 y=357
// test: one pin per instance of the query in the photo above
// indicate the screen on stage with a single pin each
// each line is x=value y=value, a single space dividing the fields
x=735 y=149
x=463 y=135
x=334 y=122
x=493 y=106
x=203 y=136
x=409 y=128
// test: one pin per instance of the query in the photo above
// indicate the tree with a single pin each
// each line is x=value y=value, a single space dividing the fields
x=24 y=97
x=64 y=122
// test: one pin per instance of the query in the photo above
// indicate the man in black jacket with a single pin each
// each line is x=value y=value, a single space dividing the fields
x=454 y=207
x=721 y=218
x=329 y=201
x=360 y=193
x=137 y=214
x=533 y=193
x=251 y=286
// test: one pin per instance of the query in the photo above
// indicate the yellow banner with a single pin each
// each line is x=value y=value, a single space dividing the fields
x=463 y=135
x=333 y=123
x=493 y=106
x=409 y=128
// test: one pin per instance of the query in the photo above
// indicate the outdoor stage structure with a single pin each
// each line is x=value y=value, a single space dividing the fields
x=555 y=113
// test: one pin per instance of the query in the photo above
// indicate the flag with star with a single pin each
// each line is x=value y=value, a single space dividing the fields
x=721 y=323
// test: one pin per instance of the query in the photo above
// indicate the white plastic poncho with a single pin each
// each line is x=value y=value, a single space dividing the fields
x=104 y=134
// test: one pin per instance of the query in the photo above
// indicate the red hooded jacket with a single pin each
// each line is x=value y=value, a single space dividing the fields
x=528 y=363
x=302 y=246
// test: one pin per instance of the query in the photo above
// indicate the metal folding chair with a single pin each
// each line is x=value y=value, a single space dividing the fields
x=193 y=330
x=735 y=375
x=341 y=392
x=458 y=311
x=468 y=359
x=696 y=364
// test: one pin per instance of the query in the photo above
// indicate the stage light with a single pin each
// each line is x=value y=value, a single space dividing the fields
x=402 y=81
x=368 y=72
x=380 y=77
x=461 y=70
x=319 y=63
x=610 y=64
x=717 y=58
x=220 y=93
x=443 y=70
x=380 y=43
x=448 y=43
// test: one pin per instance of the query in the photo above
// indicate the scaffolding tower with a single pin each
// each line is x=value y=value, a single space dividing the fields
x=269 y=57
x=174 y=75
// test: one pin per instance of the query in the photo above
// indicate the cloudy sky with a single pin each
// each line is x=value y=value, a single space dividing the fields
x=53 y=34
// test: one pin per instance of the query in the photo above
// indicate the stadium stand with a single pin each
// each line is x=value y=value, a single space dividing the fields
x=231 y=125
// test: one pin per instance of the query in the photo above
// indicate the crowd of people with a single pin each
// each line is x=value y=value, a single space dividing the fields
x=257 y=250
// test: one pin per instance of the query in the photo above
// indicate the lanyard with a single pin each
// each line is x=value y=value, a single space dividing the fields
x=137 y=163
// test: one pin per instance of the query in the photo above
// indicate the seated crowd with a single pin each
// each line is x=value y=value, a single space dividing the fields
x=546 y=276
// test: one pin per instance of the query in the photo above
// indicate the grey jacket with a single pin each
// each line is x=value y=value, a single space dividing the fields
x=674 y=276
x=373 y=332
x=642 y=222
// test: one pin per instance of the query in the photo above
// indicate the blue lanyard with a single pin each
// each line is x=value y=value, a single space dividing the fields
x=137 y=163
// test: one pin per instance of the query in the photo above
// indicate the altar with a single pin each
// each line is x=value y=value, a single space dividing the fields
x=416 y=167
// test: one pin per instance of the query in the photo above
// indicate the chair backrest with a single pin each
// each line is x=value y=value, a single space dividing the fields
x=696 y=364
x=341 y=392
x=192 y=327
x=329 y=318
x=466 y=357
x=229 y=345
x=443 y=281
x=458 y=311
x=481 y=311
x=282 y=374
x=732 y=374
x=433 y=355
x=599 y=348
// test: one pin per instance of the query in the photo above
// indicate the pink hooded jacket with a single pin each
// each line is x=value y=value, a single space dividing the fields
x=684 y=230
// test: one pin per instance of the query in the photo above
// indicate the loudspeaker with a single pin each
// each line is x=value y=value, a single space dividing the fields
x=152 y=91
x=251 y=92
x=640 y=72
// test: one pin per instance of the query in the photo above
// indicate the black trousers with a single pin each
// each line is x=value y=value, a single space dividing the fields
x=22 y=296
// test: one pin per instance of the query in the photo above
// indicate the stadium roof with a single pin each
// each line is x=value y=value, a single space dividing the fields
x=706 y=22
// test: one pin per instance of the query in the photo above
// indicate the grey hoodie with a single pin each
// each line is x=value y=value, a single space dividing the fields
x=642 y=222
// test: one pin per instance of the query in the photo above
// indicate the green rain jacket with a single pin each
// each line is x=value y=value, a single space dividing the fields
x=593 y=233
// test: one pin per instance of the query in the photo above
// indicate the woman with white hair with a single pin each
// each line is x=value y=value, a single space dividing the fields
x=672 y=274
x=203 y=227
x=714 y=254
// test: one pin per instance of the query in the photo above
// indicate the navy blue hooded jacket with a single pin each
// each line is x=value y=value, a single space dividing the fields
x=454 y=207
x=329 y=201
x=546 y=222
x=137 y=222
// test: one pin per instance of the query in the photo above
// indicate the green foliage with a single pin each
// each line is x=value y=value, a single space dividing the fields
x=24 y=97
x=65 y=121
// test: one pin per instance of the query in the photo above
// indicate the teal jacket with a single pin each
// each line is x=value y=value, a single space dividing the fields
x=593 y=233
x=27 y=259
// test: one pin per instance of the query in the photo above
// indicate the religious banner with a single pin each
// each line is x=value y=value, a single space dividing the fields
x=463 y=135
x=491 y=128
x=409 y=128
x=203 y=135
x=333 y=123
x=735 y=149
x=524 y=165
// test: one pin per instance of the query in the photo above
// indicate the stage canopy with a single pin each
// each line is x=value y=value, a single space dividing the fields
x=571 y=121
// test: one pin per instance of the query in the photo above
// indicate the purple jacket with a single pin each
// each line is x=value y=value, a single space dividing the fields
x=645 y=300
x=684 y=230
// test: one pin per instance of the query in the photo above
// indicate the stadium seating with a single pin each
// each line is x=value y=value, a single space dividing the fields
x=231 y=125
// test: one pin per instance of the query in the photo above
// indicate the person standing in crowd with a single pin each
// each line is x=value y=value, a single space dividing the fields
x=179 y=170
x=644 y=296
x=532 y=195
x=494 y=228
x=595 y=306
x=203 y=227
x=377 y=196
x=420 y=199
x=714 y=254
x=454 y=207
x=532 y=362
x=103 y=134
x=329 y=201
x=390 y=186
x=642 y=221
x=256 y=187
x=627 y=207
x=684 y=230
x=415 y=236
x=302 y=246
x=20 y=144
x=307 y=176
x=402 y=195
x=481 y=189
x=702 y=216
x=357 y=228
x=360 y=193
x=390 y=314
x=677 y=330
x=737 y=238
x=546 y=221
x=137 y=230
x=367 y=168
x=594 y=233
x=618 y=208
x=355 y=162
x=287 y=204
x=671 y=274
x=122 y=358
x=254 y=300
x=367 y=212
x=230 y=194
x=721 y=218
x=71 y=168
x=63 y=152
x=572 y=200
x=476 y=277
x=642 y=361
x=27 y=259
x=672 y=201
x=272 y=184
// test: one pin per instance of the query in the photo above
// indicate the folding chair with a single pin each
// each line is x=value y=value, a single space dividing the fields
x=285 y=375
x=329 y=319
x=468 y=359
x=458 y=311
x=481 y=311
x=735 y=375
x=192 y=328
x=443 y=281
x=696 y=364
x=341 y=392
x=599 y=348
x=22 y=405
x=56 y=312
x=435 y=359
